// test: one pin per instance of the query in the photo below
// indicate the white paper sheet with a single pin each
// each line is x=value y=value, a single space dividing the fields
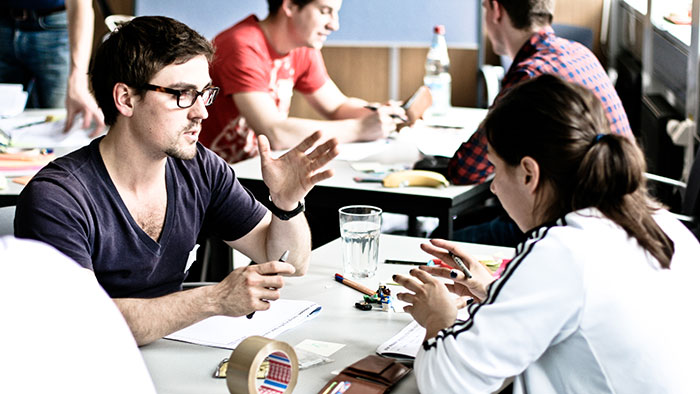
x=319 y=347
x=405 y=344
x=408 y=341
x=227 y=332
x=356 y=151
x=50 y=135
x=436 y=141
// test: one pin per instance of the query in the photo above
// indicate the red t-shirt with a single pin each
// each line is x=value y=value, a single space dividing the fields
x=245 y=62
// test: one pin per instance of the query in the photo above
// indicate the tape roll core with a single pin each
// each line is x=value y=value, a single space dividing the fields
x=243 y=365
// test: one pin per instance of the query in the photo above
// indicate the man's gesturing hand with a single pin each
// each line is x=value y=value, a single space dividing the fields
x=290 y=177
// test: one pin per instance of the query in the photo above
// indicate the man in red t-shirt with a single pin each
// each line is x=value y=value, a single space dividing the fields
x=257 y=66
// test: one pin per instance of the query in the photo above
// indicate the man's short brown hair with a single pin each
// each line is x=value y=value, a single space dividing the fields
x=525 y=14
x=138 y=50
x=274 y=5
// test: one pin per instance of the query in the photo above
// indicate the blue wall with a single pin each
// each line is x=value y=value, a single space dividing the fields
x=362 y=22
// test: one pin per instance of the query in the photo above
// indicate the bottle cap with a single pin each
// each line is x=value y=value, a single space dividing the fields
x=439 y=29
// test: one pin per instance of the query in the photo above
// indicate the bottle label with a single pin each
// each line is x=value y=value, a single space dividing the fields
x=441 y=89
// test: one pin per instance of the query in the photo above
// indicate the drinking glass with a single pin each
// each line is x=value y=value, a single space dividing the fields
x=359 y=231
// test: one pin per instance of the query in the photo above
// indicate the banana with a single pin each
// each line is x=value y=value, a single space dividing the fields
x=414 y=178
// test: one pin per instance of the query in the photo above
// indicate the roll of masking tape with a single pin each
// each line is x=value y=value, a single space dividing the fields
x=245 y=361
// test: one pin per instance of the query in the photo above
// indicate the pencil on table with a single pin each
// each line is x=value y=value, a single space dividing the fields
x=354 y=285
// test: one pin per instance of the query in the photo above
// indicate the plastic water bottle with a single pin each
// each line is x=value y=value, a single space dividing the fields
x=437 y=72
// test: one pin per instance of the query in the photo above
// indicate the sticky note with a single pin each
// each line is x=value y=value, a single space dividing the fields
x=319 y=347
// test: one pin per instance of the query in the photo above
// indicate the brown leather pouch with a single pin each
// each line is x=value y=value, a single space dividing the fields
x=372 y=374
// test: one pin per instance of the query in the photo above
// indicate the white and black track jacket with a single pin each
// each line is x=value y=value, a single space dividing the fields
x=581 y=308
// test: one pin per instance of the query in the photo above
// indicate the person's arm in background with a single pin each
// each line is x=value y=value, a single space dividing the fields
x=348 y=120
x=81 y=19
x=470 y=164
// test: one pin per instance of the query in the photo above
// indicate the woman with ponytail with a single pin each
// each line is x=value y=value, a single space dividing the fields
x=600 y=298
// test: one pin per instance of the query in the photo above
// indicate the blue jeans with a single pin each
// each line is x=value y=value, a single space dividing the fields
x=36 y=54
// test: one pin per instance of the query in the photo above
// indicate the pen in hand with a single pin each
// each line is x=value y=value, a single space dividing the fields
x=283 y=259
x=395 y=116
x=461 y=265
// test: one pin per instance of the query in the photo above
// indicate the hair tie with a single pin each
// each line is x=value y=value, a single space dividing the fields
x=598 y=138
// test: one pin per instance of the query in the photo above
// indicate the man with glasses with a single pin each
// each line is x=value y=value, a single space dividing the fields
x=131 y=204
x=259 y=63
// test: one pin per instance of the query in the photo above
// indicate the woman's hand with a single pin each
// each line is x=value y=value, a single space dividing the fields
x=474 y=287
x=432 y=305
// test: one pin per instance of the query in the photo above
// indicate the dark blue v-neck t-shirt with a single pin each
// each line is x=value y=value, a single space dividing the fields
x=73 y=205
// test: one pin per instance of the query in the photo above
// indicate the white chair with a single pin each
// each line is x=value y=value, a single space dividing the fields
x=114 y=21
x=7 y=219
x=689 y=210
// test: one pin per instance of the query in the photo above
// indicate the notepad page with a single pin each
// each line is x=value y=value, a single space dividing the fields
x=407 y=342
x=227 y=332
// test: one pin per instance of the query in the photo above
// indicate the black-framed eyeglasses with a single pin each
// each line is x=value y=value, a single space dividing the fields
x=187 y=97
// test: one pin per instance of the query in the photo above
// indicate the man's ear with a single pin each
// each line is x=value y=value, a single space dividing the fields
x=287 y=6
x=123 y=99
x=498 y=10
x=530 y=173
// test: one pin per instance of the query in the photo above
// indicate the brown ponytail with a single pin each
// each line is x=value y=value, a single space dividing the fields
x=562 y=126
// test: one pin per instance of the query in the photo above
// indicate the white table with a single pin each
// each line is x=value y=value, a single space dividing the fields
x=184 y=368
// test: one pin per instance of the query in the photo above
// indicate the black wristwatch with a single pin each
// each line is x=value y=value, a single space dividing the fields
x=286 y=215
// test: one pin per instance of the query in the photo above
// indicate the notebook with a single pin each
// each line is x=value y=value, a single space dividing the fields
x=227 y=332
x=406 y=343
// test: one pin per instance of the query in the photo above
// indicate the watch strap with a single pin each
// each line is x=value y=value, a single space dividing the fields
x=286 y=215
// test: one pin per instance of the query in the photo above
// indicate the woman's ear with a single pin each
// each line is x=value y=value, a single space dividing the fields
x=530 y=173
x=123 y=99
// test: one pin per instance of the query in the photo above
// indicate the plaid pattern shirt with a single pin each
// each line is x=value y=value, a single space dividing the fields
x=544 y=53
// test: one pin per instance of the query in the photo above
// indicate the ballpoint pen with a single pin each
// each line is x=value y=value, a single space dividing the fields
x=461 y=265
x=395 y=116
x=283 y=259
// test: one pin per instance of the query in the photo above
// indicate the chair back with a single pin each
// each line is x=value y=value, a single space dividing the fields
x=7 y=219
x=582 y=35
x=691 y=199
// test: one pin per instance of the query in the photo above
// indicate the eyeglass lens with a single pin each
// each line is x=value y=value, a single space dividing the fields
x=188 y=97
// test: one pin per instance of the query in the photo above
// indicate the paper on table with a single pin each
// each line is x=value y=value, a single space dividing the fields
x=319 y=347
x=227 y=332
x=356 y=151
x=9 y=124
x=456 y=117
x=434 y=141
x=50 y=135
x=407 y=342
